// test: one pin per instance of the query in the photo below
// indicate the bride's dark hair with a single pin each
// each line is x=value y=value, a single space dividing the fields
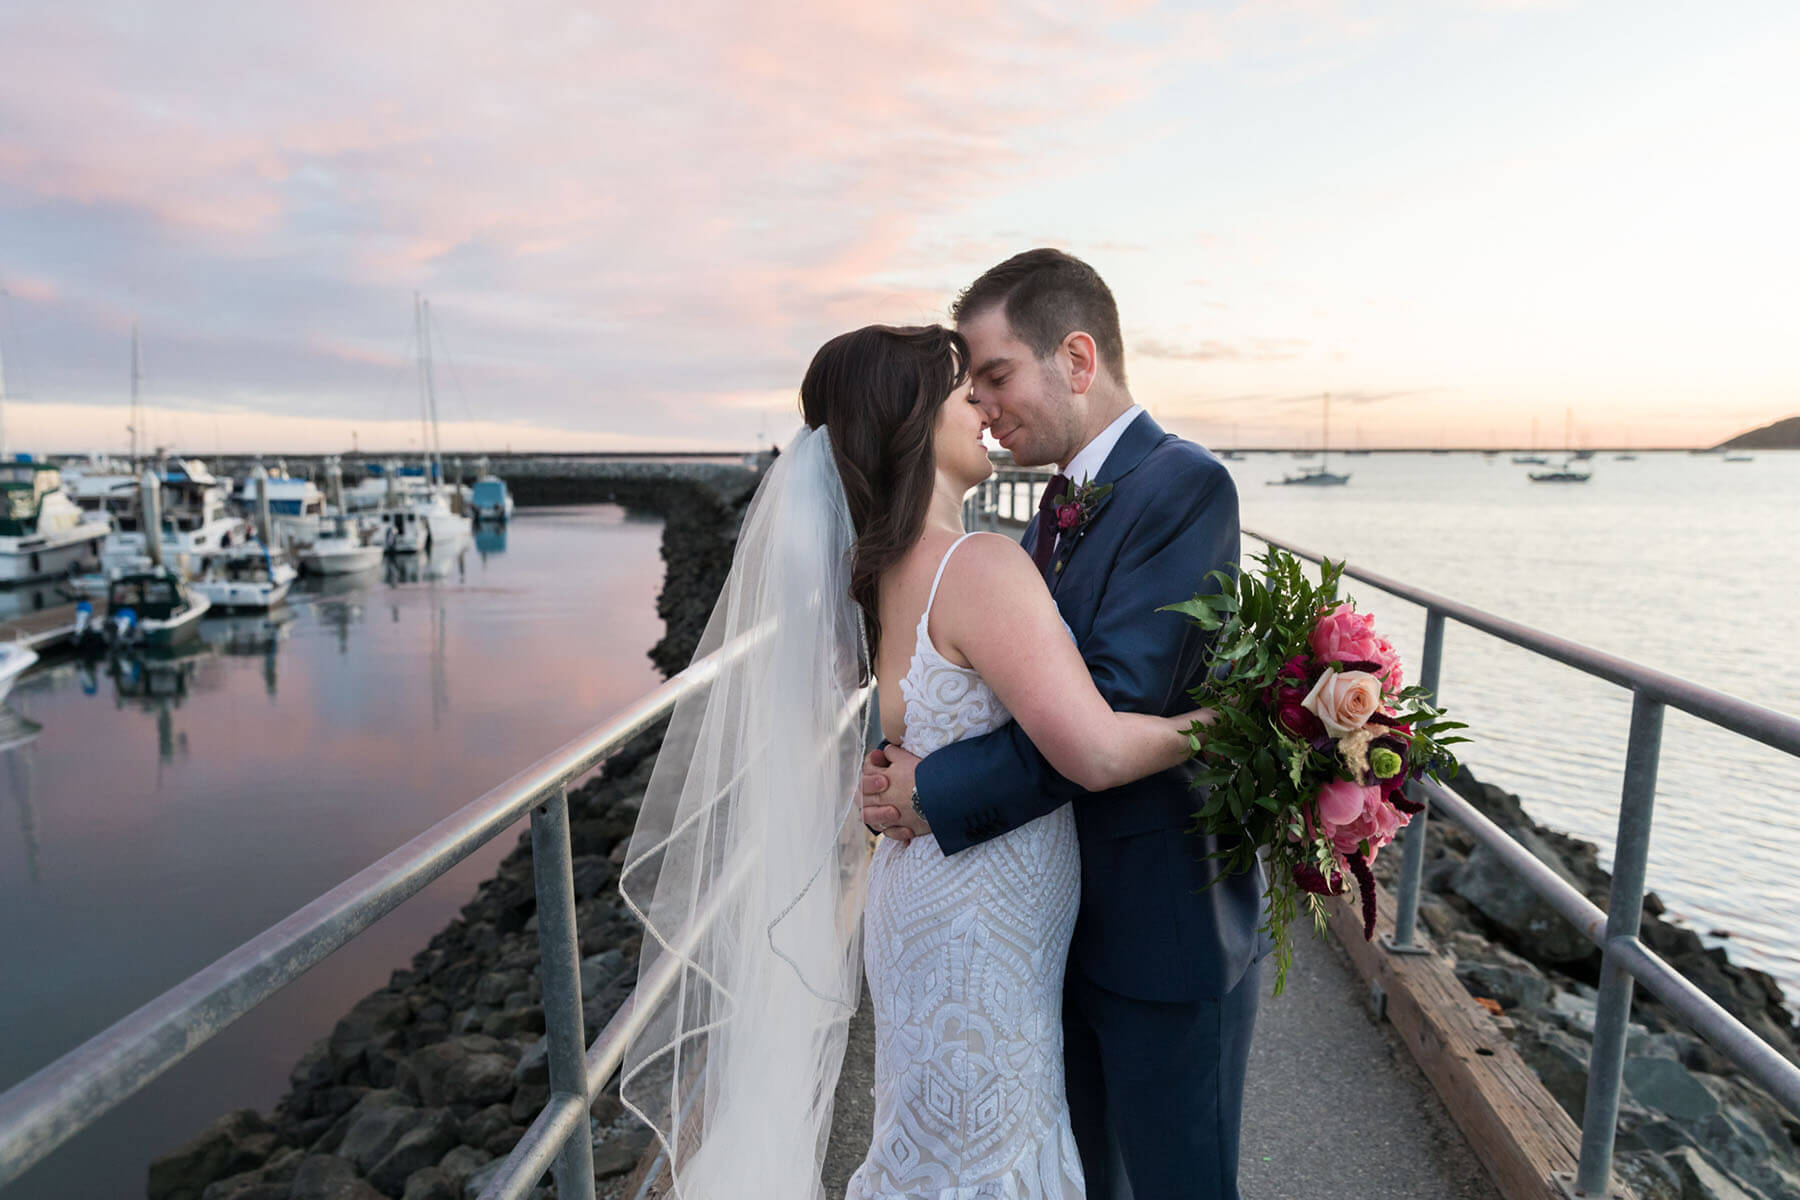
x=878 y=390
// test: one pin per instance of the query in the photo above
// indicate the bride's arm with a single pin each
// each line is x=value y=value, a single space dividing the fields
x=995 y=612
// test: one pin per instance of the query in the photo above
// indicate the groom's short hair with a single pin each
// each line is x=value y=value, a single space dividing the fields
x=1047 y=295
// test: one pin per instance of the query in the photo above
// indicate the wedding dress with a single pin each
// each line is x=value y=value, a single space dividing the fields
x=964 y=956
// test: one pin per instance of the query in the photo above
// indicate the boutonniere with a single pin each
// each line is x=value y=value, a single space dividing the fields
x=1077 y=507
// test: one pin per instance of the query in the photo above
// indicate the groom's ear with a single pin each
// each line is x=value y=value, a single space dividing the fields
x=1080 y=360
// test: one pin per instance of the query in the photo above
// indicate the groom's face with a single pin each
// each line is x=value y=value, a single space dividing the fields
x=1028 y=404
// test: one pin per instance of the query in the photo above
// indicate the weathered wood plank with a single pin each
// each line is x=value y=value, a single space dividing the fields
x=1517 y=1130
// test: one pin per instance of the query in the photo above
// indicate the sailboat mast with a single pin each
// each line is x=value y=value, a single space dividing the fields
x=1325 y=445
x=136 y=377
x=437 y=449
x=424 y=403
x=2 y=410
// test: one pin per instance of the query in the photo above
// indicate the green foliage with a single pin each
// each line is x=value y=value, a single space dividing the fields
x=1260 y=781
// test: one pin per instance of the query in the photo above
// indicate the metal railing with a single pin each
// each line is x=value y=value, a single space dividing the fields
x=43 y=1111
x=1625 y=959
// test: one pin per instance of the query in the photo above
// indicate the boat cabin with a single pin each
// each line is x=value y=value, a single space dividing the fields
x=153 y=596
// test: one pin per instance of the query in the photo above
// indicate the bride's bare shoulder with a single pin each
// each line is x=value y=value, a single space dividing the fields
x=987 y=568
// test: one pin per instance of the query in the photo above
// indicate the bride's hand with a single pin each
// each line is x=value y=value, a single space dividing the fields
x=887 y=785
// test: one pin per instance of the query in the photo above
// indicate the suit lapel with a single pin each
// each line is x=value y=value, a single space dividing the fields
x=1134 y=445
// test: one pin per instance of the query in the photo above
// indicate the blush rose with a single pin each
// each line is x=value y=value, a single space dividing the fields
x=1344 y=700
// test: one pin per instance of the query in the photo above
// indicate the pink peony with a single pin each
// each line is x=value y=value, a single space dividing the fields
x=1344 y=700
x=1345 y=635
x=1068 y=516
x=1393 y=676
x=1350 y=814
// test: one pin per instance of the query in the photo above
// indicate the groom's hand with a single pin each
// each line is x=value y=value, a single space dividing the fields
x=887 y=784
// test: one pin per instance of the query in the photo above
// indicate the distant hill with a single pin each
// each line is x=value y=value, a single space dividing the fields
x=1782 y=435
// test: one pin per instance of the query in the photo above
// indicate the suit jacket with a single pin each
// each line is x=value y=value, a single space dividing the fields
x=1153 y=923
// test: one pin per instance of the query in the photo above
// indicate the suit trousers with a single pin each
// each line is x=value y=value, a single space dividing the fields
x=1156 y=1090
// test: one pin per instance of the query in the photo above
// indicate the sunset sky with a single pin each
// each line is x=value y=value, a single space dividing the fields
x=635 y=223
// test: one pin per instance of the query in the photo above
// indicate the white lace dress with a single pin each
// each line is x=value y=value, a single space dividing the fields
x=965 y=956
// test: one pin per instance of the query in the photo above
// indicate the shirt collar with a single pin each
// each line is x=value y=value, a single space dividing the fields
x=1090 y=458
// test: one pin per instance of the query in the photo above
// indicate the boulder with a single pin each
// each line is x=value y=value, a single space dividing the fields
x=1663 y=1085
x=1701 y=1180
x=431 y=1184
x=475 y=1184
x=421 y=1146
x=237 y=1142
x=620 y=1153
x=471 y=1069
x=463 y=1162
x=327 y=1177
x=599 y=970
x=1527 y=922
x=375 y=1126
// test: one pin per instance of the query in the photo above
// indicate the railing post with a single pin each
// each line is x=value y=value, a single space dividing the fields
x=1624 y=916
x=559 y=972
x=1412 y=861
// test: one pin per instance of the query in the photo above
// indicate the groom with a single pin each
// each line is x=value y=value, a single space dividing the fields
x=1162 y=984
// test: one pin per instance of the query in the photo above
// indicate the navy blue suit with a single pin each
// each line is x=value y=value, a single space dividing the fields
x=1162 y=983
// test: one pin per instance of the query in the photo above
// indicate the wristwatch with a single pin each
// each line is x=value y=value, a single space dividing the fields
x=917 y=811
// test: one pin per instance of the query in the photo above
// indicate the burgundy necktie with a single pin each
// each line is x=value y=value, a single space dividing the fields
x=1046 y=524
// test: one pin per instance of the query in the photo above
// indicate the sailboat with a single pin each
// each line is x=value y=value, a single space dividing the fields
x=1319 y=476
x=425 y=521
x=1564 y=473
x=1534 y=458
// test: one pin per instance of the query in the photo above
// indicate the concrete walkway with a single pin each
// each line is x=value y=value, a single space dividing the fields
x=1335 y=1106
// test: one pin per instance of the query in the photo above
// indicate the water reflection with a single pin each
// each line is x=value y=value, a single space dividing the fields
x=489 y=540
x=291 y=750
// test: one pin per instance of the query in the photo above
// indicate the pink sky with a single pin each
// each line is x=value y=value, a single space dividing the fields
x=635 y=227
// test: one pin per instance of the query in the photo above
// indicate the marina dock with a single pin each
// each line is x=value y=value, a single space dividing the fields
x=46 y=628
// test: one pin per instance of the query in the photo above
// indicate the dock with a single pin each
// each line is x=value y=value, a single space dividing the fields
x=48 y=627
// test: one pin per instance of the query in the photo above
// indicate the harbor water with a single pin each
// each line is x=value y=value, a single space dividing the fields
x=153 y=815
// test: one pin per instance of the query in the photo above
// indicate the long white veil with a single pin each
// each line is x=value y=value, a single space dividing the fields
x=748 y=864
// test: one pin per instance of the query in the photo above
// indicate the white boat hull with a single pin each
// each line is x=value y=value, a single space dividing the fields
x=15 y=660
x=339 y=560
x=44 y=556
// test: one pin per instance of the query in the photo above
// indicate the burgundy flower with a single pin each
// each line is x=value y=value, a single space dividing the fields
x=1295 y=668
x=1297 y=721
x=1068 y=516
x=1311 y=879
x=1365 y=882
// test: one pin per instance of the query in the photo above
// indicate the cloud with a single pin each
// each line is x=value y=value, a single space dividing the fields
x=1246 y=350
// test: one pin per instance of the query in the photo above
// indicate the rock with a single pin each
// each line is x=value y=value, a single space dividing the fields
x=593 y=874
x=528 y=1102
x=495 y=985
x=1576 y=1009
x=1487 y=969
x=1526 y=920
x=525 y=1019
x=471 y=1069
x=476 y=1129
x=431 y=1184
x=463 y=1162
x=327 y=1177
x=1559 y=1060
x=237 y=1142
x=1647 y=1175
x=1701 y=1180
x=421 y=1146
x=599 y=970
x=1663 y=1085
x=372 y=1128
x=534 y=1064
x=620 y=1153
x=373 y=1014
x=251 y=1185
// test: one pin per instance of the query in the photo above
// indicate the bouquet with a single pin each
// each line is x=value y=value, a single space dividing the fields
x=1315 y=739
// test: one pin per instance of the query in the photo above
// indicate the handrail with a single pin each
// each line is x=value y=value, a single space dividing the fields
x=44 y=1110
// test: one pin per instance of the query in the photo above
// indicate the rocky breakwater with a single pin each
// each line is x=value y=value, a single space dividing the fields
x=427 y=1083
x=1691 y=1127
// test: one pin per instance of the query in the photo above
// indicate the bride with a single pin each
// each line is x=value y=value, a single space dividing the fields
x=749 y=868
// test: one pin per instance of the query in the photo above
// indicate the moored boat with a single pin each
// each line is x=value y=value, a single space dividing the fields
x=249 y=576
x=153 y=609
x=43 y=533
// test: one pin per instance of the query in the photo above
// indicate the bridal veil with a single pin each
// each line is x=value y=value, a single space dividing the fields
x=748 y=863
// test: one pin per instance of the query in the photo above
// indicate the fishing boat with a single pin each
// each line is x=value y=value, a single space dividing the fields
x=43 y=533
x=296 y=507
x=490 y=501
x=248 y=576
x=345 y=545
x=1319 y=476
x=153 y=609
x=15 y=660
x=1565 y=472
x=194 y=519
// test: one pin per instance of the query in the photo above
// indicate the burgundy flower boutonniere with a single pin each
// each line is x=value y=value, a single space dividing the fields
x=1077 y=507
